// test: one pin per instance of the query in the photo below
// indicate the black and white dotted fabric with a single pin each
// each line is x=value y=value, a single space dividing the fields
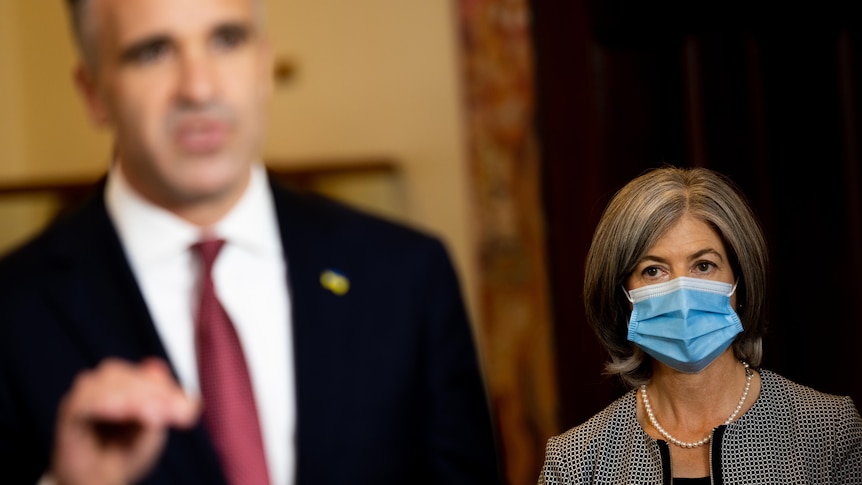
x=791 y=435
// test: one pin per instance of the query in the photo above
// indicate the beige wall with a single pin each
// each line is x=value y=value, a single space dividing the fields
x=19 y=217
x=11 y=116
x=379 y=77
x=57 y=138
x=374 y=78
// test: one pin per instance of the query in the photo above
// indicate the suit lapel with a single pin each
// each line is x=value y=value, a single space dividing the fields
x=96 y=290
x=106 y=316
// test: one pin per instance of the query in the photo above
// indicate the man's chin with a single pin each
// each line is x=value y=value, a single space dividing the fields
x=210 y=179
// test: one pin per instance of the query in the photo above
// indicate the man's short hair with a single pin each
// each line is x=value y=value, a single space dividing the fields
x=76 y=8
x=84 y=31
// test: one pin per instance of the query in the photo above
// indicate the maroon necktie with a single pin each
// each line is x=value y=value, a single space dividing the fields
x=229 y=411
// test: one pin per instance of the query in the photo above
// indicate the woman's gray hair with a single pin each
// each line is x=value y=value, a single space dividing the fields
x=636 y=217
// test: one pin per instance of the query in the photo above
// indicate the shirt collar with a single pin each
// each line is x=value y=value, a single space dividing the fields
x=251 y=224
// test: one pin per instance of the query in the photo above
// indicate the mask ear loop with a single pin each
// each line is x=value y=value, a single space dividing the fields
x=733 y=290
x=628 y=296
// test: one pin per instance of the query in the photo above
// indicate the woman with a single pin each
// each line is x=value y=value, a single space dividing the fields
x=674 y=288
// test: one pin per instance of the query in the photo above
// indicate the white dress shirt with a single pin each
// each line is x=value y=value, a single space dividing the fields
x=250 y=277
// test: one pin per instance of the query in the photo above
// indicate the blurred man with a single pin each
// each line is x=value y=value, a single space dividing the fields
x=195 y=323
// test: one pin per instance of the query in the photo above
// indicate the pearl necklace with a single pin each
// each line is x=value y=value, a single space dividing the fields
x=683 y=444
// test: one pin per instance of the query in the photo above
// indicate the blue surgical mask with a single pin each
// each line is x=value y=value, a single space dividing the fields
x=685 y=322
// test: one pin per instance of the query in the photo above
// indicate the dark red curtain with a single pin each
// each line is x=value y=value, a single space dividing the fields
x=770 y=98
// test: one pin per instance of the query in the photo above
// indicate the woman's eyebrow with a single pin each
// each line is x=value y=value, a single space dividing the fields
x=702 y=252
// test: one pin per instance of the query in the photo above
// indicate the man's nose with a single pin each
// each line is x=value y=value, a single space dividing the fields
x=197 y=83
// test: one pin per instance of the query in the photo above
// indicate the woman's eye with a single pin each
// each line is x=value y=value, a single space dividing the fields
x=704 y=267
x=651 y=272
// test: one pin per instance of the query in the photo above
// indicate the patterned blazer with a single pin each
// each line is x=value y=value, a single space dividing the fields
x=791 y=435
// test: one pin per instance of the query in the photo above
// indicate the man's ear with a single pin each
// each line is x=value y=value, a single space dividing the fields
x=87 y=85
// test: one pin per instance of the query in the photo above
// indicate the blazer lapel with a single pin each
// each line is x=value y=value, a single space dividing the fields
x=107 y=317
x=95 y=288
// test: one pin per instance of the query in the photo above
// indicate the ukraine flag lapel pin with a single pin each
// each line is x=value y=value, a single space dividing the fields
x=335 y=282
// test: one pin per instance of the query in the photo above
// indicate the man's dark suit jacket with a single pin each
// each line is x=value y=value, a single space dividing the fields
x=388 y=383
